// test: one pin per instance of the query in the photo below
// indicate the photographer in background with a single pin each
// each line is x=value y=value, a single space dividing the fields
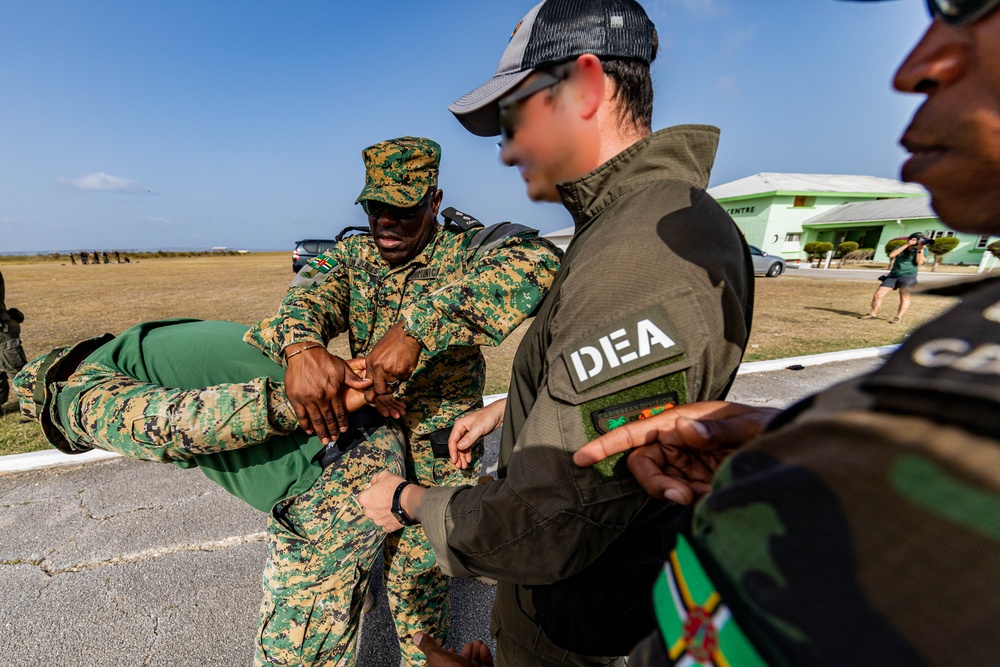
x=11 y=355
x=907 y=260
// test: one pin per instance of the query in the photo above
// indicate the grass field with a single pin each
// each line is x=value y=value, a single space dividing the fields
x=63 y=303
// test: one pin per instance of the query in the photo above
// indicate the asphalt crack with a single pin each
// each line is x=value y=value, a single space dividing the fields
x=141 y=556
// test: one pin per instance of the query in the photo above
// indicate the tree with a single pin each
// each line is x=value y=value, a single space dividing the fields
x=942 y=246
x=994 y=249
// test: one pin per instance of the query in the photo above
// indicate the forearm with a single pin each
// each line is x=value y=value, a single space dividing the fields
x=115 y=412
x=483 y=530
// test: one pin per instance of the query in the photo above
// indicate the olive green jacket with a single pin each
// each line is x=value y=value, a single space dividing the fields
x=651 y=308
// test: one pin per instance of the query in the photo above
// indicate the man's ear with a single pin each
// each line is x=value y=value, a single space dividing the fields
x=436 y=201
x=590 y=85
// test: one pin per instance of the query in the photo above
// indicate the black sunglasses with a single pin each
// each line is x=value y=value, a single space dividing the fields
x=961 y=12
x=508 y=105
x=375 y=209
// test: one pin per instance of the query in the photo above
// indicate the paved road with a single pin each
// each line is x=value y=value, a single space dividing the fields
x=141 y=564
x=870 y=275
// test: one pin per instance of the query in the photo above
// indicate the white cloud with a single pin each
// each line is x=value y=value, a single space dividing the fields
x=727 y=86
x=162 y=222
x=102 y=182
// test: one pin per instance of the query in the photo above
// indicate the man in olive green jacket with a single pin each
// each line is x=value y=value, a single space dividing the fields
x=650 y=309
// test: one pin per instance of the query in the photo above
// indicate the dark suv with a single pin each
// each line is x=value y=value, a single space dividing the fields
x=307 y=249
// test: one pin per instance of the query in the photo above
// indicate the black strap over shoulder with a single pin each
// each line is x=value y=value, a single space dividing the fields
x=492 y=236
x=347 y=230
x=463 y=221
x=949 y=369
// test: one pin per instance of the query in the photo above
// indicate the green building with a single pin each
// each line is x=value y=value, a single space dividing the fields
x=781 y=213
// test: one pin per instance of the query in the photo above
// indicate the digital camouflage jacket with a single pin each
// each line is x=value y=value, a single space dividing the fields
x=453 y=298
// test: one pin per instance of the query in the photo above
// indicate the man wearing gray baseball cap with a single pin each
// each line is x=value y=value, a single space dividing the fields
x=651 y=309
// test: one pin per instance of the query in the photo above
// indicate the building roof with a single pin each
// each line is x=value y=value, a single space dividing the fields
x=909 y=208
x=766 y=183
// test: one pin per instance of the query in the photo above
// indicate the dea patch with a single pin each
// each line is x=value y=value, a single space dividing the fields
x=620 y=348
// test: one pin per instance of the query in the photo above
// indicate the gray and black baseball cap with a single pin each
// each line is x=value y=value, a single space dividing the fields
x=555 y=31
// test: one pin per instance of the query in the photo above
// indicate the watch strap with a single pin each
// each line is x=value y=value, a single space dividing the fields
x=397 y=505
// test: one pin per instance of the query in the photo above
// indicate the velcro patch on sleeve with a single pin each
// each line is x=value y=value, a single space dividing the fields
x=640 y=402
x=630 y=344
x=317 y=271
x=609 y=418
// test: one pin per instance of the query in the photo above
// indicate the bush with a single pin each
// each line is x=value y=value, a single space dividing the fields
x=941 y=247
x=994 y=249
x=895 y=243
x=811 y=248
x=847 y=247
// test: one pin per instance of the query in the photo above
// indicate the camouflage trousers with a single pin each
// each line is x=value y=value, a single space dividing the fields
x=321 y=552
x=309 y=563
x=416 y=587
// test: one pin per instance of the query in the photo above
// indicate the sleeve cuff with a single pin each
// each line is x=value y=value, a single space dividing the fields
x=434 y=519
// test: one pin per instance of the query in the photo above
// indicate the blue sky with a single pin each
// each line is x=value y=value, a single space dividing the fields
x=199 y=123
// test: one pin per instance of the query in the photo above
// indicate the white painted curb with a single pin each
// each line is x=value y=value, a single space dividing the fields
x=815 y=359
x=50 y=458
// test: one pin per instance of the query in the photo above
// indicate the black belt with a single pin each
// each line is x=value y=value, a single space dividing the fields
x=361 y=425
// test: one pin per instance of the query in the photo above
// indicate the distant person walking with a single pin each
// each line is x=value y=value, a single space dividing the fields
x=11 y=354
x=84 y=258
x=118 y=258
x=907 y=260
x=72 y=259
x=104 y=256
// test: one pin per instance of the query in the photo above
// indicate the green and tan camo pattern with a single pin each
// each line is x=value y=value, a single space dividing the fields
x=452 y=308
x=321 y=552
x=415 y=585
x=399 y=172
x=109 y=410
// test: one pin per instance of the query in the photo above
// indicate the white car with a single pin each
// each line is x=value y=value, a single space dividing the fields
x=771 y=266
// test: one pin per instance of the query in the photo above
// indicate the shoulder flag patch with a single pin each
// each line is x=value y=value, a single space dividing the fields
x=316 y=272
x=697 y=626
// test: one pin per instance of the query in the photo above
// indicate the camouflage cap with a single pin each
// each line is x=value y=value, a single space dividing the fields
x=35 y=400
x=399 y=172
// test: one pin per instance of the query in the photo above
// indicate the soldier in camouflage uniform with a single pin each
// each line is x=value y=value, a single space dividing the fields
x=227 y=414
x=863 y=526
x=11 y=353
x=417 y=300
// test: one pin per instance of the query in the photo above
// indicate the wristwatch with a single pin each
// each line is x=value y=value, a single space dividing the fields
x=397 y=507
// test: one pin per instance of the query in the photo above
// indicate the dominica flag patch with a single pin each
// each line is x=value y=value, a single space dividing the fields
x=697 y=626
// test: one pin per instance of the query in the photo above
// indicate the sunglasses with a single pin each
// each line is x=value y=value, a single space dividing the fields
x=375 y=209
x=961 y=12
x=508 y=105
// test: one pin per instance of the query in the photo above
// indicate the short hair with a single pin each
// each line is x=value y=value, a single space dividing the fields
x=633 y=87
